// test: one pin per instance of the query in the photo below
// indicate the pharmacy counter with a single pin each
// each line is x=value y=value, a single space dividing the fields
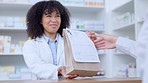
x=104 y=80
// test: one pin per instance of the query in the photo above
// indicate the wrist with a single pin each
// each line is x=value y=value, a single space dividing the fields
x=114 y=39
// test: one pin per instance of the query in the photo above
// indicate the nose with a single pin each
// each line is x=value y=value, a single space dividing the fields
x=53 y=19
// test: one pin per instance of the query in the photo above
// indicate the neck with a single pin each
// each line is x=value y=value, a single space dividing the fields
x=51 y=35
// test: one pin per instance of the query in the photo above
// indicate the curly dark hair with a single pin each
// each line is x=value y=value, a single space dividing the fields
x=35 y=13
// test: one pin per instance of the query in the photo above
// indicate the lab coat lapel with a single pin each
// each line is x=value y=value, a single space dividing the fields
x=60 y=49
x=44 y=47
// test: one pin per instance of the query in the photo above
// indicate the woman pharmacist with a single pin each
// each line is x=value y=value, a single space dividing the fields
x=44 y=53
x=137 y=49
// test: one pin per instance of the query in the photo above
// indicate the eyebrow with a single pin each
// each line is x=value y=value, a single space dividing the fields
x=47 y=13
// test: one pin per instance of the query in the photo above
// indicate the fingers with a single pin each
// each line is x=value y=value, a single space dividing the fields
x=99 y=43
x=98 y=39
x=71 y=76
x=91 y=35
x=100 y=46
x=62 y=70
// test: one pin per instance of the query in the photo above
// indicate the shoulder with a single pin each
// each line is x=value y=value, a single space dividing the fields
x=33 y=41
x=29 y=42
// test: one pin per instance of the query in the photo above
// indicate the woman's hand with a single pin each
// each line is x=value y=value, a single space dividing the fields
x=62 y=70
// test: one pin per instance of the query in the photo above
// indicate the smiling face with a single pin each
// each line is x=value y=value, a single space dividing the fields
x=51 y=22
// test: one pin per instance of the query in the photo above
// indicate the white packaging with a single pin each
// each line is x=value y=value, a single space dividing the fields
x=133 y=17
x=126 y=18
x=1 y=43
x=131 y=72
x=73 y=23
x=98 y=26
x=14 y=76
x=74 y=2
x=89 y=25
x=2 y=21
x=122 y=71
x=1 y=48
x=9 y=69
x=24 y=70
x=26 y=76
x=4 y=76
x=94 y=25
x=17 y=49
x=12 y=48
x=19 y=25
x=98 y=3
x=7 y=44
x=9 y=22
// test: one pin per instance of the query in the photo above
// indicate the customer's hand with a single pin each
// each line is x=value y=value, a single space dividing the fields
x=91 y=35
x=105 y=41
x=62 y=70
x=102 y=41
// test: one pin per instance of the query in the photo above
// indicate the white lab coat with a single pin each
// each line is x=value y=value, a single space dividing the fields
x=137 y=49
x=142 y=48
x=38 y=57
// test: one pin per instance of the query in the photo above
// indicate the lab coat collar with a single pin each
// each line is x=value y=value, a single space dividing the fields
x=47 y=39
x=60 y=50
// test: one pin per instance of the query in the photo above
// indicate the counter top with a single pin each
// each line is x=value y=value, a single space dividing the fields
x=90 y=80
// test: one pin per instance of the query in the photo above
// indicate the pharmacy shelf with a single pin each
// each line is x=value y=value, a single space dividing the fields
x=124 y=54
x=140 y=21
x=125 y=7
x=92 y=9
x=89 y=30
x=14 y=6
x=118 y=53
x=25 y=6
x=12 y=29
x=130 y=30
x=126 y=27
x=102 y=54
x=11 y=54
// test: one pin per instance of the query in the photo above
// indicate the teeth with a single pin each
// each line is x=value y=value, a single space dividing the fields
x=53 y=25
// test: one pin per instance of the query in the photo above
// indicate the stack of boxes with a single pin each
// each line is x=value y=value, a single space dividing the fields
x=87 y=25
x=124 y=19
x=15 y=73
x=13 y=22
x=97 y=3
x=7 y=47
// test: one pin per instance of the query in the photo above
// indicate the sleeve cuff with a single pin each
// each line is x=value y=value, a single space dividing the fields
x=123 y=42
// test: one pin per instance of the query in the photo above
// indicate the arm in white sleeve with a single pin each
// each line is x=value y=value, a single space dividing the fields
x=142 y=49
x=40 y=68
x=126 y=46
